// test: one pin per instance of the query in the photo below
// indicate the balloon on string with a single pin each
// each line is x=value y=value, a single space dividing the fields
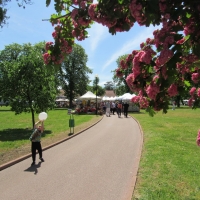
x=42 y=116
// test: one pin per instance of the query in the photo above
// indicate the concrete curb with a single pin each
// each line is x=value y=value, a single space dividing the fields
x=136 y=165
x=6 y=165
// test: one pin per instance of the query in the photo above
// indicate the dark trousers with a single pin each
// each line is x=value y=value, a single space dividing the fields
x=125 y=112
x=36 y=146
x=119 y=111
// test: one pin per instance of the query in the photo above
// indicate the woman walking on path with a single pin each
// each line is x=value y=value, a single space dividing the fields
x=119 y=106
x=35 y=141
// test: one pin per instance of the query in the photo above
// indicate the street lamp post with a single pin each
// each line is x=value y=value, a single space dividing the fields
x=96 y=76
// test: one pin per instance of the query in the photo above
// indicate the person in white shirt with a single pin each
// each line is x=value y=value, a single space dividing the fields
x=108 y=109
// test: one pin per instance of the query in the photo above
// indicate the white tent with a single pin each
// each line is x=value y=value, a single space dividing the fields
x=88 y=96
x=127 y=96
x=62 y=100
x=105 y=98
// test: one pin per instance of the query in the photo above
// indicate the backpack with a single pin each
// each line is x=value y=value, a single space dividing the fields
x=119 y=106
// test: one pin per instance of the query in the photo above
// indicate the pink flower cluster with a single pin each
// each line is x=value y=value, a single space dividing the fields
x=133 y=85
x=198 y=138
x=119 y=73
x=196 y=77
x=172 y=90
x=185 y=65
x=142 y=101
x=137 y=12
x=165 y=55
x=195 y=94
x=152 y=90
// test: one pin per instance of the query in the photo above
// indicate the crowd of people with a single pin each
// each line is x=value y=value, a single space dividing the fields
x=118 y=107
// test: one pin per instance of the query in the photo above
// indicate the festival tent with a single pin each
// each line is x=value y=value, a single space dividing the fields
x=127 y=96
x=88 y=96
x=62 y=100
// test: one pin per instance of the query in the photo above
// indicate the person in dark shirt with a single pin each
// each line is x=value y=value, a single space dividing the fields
x=126 y=105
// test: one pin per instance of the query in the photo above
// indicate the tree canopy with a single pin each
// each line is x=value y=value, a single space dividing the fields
x=24 y=79
x=164 y=66
x=74 y=73
x=96 y=88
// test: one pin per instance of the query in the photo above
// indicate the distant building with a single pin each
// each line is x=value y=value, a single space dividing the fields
x=109 y=93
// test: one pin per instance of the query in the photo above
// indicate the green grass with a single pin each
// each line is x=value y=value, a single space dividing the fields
x=170 y=163
x=15 y=130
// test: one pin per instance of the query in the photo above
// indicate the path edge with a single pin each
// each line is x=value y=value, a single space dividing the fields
x=17 y=160
x=130 y=193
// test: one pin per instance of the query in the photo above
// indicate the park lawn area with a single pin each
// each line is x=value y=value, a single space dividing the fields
x=15 y=130
x=170 y=163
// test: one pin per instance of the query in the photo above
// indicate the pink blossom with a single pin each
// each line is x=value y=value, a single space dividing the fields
x=181 y=41
x=198 y=138
x=195 y=77
x=74 y=13
x=190 y=102
x=167 y=16
x=172 y=90
x=152 y=90
x=83 y=4
x=192 y=91
x=48 y=45
x=47 y=58
x=198 y=92
x=119 y=73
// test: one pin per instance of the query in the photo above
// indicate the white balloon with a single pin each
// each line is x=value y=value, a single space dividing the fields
x=42 y=116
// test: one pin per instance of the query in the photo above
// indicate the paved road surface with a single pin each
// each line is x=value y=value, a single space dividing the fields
x=99 y=164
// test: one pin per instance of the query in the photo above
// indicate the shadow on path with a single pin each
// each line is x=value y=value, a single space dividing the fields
x=33 y=168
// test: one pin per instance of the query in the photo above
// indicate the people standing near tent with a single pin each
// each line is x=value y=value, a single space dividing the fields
x=119 y=108
x=126 y=105
x=108 y=109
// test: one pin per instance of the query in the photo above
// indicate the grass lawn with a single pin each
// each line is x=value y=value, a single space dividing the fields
x=170 y=163
x=15 y=130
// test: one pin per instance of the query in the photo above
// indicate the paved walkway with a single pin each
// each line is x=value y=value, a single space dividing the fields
x=101 y=163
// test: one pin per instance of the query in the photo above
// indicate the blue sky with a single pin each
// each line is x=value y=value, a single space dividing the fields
x=102 y=48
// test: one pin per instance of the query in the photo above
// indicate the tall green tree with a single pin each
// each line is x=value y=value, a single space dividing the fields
x=74 y=73
x=124 y=67
x=109 y=85
x=24 y=79
x=96 y=88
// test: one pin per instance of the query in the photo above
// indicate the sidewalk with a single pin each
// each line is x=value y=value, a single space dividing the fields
x=100 y=163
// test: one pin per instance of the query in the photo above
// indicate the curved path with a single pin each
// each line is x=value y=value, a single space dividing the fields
x=101 y=163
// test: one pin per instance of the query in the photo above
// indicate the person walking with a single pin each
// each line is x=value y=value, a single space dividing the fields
x=119 y=108
x=126 y=105
x=36 y=141
x=108 y=109
x=113 y=107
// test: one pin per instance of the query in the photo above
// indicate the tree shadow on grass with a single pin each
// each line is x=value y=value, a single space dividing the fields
x=18 y=134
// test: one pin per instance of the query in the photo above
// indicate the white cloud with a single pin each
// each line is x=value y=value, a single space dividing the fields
x=97 y=33
x=131 y=45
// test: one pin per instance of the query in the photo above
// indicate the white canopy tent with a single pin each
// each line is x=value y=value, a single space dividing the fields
x=62 y=100
x=89 y=96
x=127 y=96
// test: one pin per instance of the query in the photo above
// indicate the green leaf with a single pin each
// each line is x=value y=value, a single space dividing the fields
x=187 y=83
x=188 y=15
